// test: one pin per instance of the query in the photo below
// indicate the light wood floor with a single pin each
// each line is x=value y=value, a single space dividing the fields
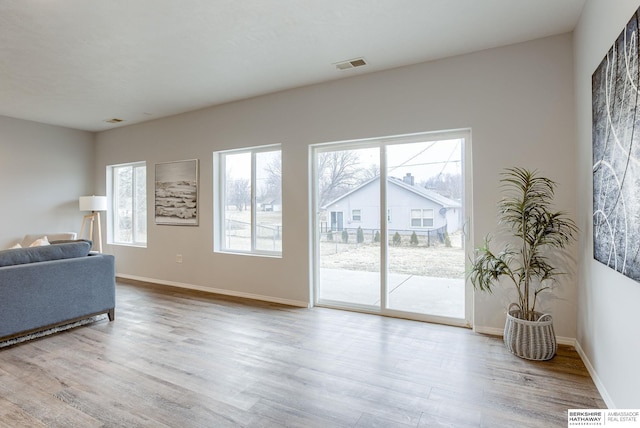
x=187 y=359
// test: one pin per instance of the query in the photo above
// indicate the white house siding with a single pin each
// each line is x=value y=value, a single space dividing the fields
x=366 y=199
x=400 y=202
x=454 y=219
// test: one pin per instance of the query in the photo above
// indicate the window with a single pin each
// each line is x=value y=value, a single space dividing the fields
x=422 y=218
x=356 y=215
x=128 y=211
x=249 y=205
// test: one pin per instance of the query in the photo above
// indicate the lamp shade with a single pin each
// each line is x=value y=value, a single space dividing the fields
x=93 y=203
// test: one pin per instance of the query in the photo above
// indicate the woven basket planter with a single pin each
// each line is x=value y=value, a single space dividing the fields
x=532 y=340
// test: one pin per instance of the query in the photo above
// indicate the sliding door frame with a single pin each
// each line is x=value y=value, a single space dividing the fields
x=382 y=143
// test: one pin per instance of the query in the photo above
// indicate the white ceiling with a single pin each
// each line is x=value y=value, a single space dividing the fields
x=77 y=63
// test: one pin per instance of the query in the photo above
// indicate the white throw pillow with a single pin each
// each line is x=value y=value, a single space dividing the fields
x=40 y=242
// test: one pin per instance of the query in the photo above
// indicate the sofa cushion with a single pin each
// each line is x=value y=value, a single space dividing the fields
x=28 y=239
x=40 y=242
x=21 y=256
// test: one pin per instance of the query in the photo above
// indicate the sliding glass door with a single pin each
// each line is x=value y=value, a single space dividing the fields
x=389 y=226
x=348 y=198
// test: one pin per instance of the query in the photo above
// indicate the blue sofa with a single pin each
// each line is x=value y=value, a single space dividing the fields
x=52 y=285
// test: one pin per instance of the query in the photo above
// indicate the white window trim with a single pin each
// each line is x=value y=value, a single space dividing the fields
x=422 y=218
x=111 y=217
x=220 y=187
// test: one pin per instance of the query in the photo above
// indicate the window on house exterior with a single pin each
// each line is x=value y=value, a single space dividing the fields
x=356 y=215
x=128 y=199
x=248 y=188
x=422 y=218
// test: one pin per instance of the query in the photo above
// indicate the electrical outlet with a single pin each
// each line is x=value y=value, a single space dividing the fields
x=178 y=258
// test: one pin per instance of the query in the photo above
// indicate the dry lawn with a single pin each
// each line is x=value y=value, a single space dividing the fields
x=435 y=261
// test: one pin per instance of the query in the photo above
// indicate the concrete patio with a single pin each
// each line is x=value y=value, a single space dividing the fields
x=410 y=293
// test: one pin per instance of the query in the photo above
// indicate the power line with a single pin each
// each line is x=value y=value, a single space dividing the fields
x=425 y=163
x=449 y=159
x=413 y=157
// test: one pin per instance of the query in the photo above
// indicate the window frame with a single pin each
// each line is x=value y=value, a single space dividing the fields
x=359 y=215
x=112 y=215
x=220 y=198
x=423 y=218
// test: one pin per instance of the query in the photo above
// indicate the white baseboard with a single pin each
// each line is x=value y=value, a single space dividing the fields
x=570 y=341
x=594 y=376
x=241 y=294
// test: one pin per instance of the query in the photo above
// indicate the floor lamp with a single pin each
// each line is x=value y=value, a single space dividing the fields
x=95 y=204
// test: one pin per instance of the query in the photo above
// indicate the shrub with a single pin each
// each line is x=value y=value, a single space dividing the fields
x=345 y=236
x=397 y=239
x=447 y=240
x=330 y=236
x=376 y=237
x=360 y=235
x=414 y=239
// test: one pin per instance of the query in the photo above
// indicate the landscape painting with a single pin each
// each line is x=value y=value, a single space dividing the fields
x=176 y=193
x=616 y=155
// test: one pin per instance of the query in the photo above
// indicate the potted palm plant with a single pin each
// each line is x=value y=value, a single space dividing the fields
x=526 y=260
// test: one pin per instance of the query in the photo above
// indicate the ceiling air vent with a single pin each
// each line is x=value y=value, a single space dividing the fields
x=352 y=63
x=114 y=120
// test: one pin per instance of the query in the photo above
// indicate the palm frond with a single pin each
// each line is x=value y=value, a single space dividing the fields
x=526 y=212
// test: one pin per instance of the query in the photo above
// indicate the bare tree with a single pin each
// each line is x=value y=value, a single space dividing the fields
x=271 y=188
x=239 y=193
x=337 y=172
x=449 y=185
x=372 y=172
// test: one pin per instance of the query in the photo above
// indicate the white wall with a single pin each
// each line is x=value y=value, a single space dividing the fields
x=518 y=100
x=608 y=322
x=43 y=171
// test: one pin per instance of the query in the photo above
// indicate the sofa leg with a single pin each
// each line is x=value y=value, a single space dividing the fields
x=112 y=314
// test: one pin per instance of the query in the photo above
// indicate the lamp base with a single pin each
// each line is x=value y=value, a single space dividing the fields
x=91 y=218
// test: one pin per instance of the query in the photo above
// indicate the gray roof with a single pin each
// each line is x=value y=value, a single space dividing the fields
x=420 y=191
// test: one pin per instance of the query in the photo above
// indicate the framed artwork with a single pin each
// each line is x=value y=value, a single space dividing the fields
x=616 y=155
x=176 y=193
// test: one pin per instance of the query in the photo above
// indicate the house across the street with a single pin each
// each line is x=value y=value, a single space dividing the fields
x=410 y=208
